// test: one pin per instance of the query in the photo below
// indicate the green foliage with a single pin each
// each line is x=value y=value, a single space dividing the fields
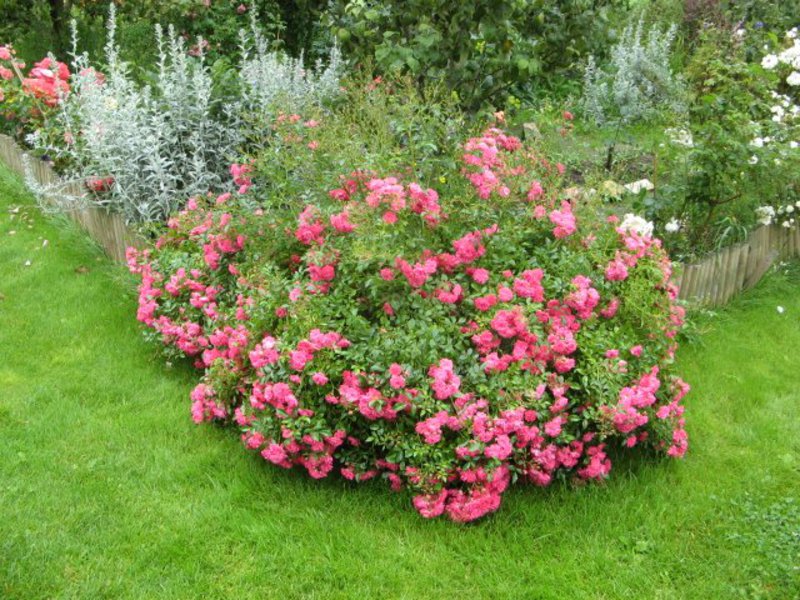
x=27 y=24
x=41 y=26
x=481 y=50
x=764 y=14
x=381 y=125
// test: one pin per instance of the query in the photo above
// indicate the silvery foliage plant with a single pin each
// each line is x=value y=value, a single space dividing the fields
x=270 y=80
x=638 y=82
x=175 y=138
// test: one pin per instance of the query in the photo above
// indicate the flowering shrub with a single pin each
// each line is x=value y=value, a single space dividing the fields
x=450 y=343
x=738 y=151
x=785 y=215
x=786 y=62
x=25 y=100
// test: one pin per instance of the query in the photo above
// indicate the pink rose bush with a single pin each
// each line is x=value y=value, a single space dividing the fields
x=26 y=99
x=451 y=342
x=48 y=80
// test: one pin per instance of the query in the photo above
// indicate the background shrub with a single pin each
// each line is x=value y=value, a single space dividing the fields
x=480 y=50
x=638 y=83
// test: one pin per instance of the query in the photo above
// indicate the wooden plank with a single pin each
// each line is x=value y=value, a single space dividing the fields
x=725 y=275
x=753 y=254
x=713 y=270
x=741 y=269
x=713 y=280
x=796 y=240
x=733 y=272
x=701 y=289
x=761 y=268
x=687 y=283
x=685 y=280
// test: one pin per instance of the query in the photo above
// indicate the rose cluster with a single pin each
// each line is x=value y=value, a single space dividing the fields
x=26 y=99
x=449 y=341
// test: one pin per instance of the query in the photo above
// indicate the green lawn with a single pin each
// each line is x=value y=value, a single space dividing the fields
x=108 y=490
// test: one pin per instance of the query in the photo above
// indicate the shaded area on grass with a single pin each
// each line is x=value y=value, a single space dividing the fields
x=108 y=490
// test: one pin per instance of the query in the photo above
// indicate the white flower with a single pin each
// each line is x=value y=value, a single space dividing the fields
x=681 y=137
x=765 y=214
x=770 y=61
x=757 y=142
x=753 y=160
x=793 y=79
x=781 y=310
x=787 y=224
x=636 y=223
x=637 y=186
x=672 y=226
x=792 y=33
x=742 y=32
x=790 y=209
x=789 y=55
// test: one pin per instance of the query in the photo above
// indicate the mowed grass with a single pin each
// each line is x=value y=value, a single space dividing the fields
x=108 y=490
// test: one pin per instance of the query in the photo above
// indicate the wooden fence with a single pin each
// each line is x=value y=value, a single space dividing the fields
x=712 y=281
x=107 y=228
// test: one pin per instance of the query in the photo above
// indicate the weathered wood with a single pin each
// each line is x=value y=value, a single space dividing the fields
x=716 y=279
x=724 y=275
x=687 y=283
x=732 y=263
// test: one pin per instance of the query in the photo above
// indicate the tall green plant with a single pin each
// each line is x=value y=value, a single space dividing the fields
x=481 y=50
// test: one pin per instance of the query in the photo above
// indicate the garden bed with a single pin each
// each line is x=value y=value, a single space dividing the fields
x=712 y=281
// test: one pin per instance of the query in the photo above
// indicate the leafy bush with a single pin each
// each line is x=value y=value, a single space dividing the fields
x=375 y=125
x=638 y=83
x=450 y=343
x=293 y=25
x=480 y=50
